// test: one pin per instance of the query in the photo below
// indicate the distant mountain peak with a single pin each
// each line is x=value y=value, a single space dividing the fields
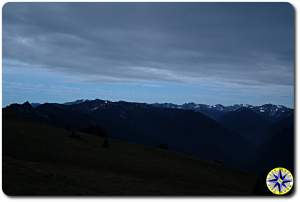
x=26 y=105
x=76 y=102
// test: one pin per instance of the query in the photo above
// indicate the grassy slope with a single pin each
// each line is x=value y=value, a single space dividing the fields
x=42 y=160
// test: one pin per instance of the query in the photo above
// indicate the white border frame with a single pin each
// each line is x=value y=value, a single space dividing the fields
x=295 y=196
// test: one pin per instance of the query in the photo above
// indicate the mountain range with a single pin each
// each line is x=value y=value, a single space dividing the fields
x=268 y=111
x=239 y=136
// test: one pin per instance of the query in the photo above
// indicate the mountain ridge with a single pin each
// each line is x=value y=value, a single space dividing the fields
x=267 y=110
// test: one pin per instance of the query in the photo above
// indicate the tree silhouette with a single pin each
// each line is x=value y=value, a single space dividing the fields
x=163 y=146
x=105 y=143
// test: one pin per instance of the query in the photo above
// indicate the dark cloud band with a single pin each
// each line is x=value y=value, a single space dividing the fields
x=243 y=43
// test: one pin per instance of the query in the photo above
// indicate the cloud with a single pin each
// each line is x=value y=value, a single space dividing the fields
x=245 y=44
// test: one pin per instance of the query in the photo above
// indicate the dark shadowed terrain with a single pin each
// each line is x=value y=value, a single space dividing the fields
x=43 y=160
x=99 y=147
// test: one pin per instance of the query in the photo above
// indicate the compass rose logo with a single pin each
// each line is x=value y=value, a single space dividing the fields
x=279 y=181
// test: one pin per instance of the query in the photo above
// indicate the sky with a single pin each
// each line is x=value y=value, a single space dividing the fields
x=210 y=53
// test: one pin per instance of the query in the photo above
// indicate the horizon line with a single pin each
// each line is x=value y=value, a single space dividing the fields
x=84 y=100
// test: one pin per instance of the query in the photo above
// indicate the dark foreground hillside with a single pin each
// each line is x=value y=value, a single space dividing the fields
x=43 y=160
x=183 y=131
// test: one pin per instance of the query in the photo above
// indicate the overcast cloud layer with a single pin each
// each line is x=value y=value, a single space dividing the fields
x=249 y=45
